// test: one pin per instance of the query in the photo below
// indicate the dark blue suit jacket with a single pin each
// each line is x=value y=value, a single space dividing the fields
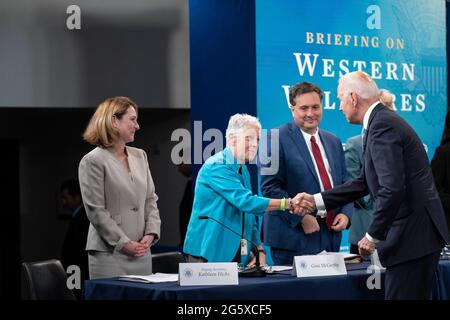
x=296 y=174
x=408 y=215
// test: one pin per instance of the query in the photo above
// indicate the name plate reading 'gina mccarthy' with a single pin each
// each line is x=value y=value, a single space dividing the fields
x=318 y=266
x=212 y=273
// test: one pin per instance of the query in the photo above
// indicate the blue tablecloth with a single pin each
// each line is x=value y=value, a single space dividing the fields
x=441 y=286
x=280 y=286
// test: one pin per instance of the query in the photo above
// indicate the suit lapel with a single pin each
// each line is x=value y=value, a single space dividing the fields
x=131 y=174
x=299 y=141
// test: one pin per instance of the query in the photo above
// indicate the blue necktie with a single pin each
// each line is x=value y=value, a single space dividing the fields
x=364 y=138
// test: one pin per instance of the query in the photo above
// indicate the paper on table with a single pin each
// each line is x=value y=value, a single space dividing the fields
x=153 y=278
x=280 y=268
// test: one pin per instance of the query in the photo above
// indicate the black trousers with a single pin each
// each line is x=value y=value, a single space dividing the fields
x=354 y=248
x=412 y=280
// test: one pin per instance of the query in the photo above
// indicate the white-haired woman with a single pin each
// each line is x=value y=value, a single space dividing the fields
x=223 y=193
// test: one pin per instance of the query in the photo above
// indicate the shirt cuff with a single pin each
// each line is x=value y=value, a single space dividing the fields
x=319 y=201
x=155 y=239
x=369 y=237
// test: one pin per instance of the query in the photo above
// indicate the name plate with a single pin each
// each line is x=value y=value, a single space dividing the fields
x=206 y=274
x=318 y=266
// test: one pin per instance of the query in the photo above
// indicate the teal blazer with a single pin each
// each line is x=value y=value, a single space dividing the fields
x=224 y=194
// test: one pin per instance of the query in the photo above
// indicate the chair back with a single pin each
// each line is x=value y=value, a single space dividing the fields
x=46 y=280
x=166 y=262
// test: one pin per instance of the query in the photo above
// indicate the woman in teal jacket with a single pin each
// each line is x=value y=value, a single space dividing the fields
x=223 y=192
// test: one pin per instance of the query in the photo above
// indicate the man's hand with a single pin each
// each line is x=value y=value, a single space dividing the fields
x=340 y=222
x=303 y=203
x=310 y=224
x=366 y=247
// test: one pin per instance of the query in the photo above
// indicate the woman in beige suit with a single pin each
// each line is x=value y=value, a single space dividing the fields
x=118 y=194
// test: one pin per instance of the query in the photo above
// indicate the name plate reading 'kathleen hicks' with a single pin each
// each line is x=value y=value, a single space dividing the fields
x=212 y=273
x=318 y=266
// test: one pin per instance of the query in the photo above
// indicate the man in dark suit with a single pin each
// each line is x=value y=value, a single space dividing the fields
x=310 y=160
x=74 y=247
x=440 y=165
x=408 y=227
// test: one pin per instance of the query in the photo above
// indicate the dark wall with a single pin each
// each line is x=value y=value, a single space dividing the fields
x=10 y=226
x=223 y=62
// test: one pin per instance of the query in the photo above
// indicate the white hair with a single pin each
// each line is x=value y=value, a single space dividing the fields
x=360 y=83
x=240 y=122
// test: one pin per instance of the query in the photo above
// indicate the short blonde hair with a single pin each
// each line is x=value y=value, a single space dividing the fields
x=100 y=130
x=387 y=99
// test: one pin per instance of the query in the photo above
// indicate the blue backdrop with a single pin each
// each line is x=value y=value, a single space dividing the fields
x=401 y=44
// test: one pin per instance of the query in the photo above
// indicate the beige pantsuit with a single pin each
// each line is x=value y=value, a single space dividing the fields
x=121 y=206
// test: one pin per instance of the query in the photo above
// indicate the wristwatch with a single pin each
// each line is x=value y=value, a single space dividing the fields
x=288 y=204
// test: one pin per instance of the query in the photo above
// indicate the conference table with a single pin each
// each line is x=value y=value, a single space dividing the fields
x=275 y=286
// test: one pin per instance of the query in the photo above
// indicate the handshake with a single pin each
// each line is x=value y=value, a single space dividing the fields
x=303 y=203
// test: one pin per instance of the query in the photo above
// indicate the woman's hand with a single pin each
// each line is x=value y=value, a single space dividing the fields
x=135 y=249
x=148 y=240
x=262 y=259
